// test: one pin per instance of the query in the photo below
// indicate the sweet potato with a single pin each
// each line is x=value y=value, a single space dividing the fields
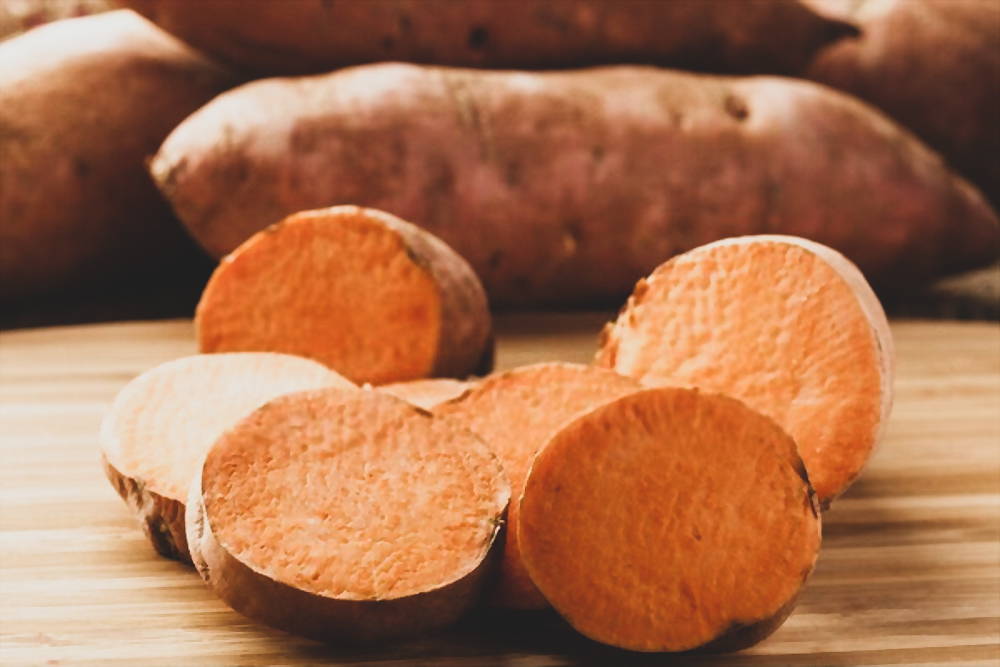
x=346 y=516
x=669 y=520
x=16 y=16
x=934 y=66
x=83 y=103
x=308 y=36
x=356 y=289
x=163 y=422
x=566 y=187
x=428 y=393
x=784 y=324
x=515 y=413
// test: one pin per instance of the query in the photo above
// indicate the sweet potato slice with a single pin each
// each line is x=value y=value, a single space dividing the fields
x=346 y=516
x=162 y=423
x=515 y=413
x=428 y=393
x=362 y=291
x=669 y=520
x=787 y=325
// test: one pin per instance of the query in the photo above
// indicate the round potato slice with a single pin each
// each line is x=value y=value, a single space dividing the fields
x=161 y=424
x=357 y=289
x=347 y=516
x=669 y=520
x=786 y=325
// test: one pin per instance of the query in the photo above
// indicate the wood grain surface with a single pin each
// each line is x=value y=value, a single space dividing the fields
x=909 y=573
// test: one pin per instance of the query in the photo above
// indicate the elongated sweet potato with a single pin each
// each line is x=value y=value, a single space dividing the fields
x=933 y=65
x=357 y=289
x=428 y=393
x=784 y=324
x=566 y=187
x=669 y=520
x=83 y=103
x=515 y=413
x=346 y=516
x=307 y=36
x=161 y=424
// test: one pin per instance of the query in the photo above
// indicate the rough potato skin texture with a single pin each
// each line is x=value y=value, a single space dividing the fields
x=311 y=36
x=162 y=518
x=934 y=66
x=566 y=187
x=83 y=103
x=263 y=599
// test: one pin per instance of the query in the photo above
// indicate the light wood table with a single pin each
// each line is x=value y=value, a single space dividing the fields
x=909 y=573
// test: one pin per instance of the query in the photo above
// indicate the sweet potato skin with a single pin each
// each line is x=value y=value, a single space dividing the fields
x=162 y=518
x=608 y=171
x=83 y=103
x=310 y=36
x=934 y=66
x=257 y=596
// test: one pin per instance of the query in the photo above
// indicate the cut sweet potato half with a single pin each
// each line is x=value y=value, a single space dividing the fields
x=786 y=325
x=428 y=393
x=515 y=413
x=162 y=423
x=347 y=516
x=669 y=520
x=359 y=290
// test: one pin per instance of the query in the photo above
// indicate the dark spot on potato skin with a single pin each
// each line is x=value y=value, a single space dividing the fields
x=496 y=257
x=478 y=36
x=388 y=42
x=81 y=168
x=512 y=173
x=405 y=23
x=736 y=107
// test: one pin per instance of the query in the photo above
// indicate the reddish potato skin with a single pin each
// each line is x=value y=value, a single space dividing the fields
x=934 y=66
x=83 y=103
x=311 y=36
x=566 y=187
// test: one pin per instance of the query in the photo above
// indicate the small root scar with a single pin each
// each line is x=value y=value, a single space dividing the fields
x=736 y=107
x=478 y=36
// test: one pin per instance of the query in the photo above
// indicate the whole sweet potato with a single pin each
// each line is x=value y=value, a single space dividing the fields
x=83 y=103
x=308 y=36
x=566 y=187
x=934 y=66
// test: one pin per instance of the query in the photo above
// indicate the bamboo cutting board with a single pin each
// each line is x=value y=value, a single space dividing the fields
x=909 y=573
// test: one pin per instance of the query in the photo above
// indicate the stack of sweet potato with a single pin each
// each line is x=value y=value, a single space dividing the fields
x=564 y=148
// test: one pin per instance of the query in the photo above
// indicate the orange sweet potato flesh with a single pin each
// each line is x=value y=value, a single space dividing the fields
x=567 y=187
x=786 y=325
x=515 y=413
x=346 y=516
x=305 y=36
x=356 y=289
x=164 y=421
x=670 y=520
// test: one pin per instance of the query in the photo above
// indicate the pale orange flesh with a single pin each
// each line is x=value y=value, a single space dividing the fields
x=337 y=285
x=668 y=518
x=779 y=324
x=162 y=423
x=353 y=496
x=515 y=413
x=428 y=393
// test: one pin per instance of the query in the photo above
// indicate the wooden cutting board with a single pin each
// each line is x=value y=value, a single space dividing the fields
x=909 y=573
